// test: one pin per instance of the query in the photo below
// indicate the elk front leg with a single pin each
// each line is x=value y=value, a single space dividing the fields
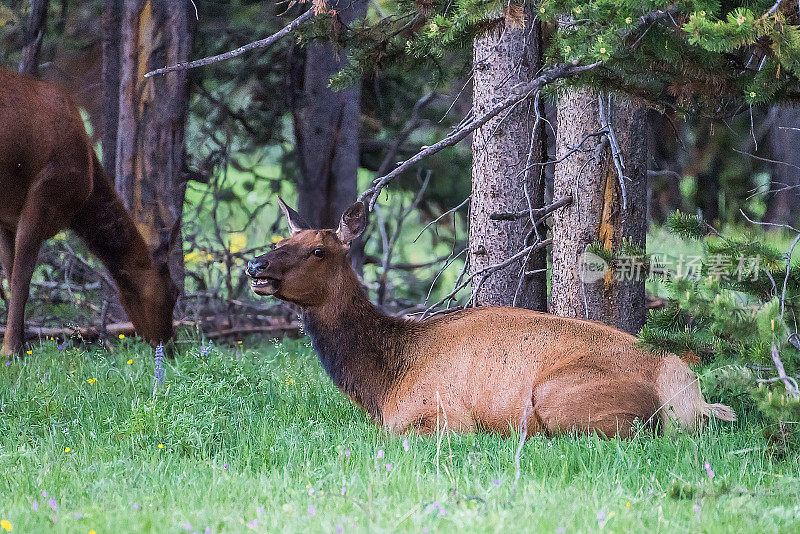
x=38 y=222
x=26 y=253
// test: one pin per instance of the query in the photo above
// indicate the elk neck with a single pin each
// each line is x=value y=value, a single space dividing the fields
x=110 y=232
x=363 y=350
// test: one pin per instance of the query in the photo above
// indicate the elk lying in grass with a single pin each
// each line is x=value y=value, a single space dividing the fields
x=51 y=180
x=489 y=369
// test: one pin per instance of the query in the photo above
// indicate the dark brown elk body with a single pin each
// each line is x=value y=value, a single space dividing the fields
x=50 y=180
x=482 y=369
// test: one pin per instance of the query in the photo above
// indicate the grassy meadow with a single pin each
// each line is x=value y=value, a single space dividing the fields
x=255 y=438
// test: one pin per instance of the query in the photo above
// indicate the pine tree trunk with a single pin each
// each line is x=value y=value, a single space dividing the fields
x=783 y=205
x=326 y=124
x=152 y=118
x=112 y=17
x=501 y=150
x=596 y=214
x=34 y=32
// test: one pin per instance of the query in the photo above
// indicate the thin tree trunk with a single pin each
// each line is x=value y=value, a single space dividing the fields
x=501 y=151
x=783 y=204
x=152 y=118
x=326 y=124
x=597 y=214
x=34 y=33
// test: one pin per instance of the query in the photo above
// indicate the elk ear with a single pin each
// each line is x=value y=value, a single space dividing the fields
x=293 y=219
x=353 y=223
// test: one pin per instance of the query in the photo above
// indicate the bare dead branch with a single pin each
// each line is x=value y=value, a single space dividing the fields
x=262 y=43
x=370 y=196
x=537 y=213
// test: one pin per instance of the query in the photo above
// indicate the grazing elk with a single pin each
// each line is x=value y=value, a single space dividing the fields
x=489 y=369
x=50 y=180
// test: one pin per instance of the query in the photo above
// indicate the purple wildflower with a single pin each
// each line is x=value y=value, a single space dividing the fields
x=208 y=530
x=259 y=511
x=380 y=453
x=8 y=363
x=35 y=505
x=187 y=526
x=77 y=515
x=224 y=466
x=44 y=493
x=205 y=350
x=53 y=504
x=709 y=471
x=344 y=490
x=311 y=510
x=136 y=506
x=389 y=466
x=159 y=365
x=406 y=445
x=347 y=453
x=339 y=529
x=60 y=346
x=253 y=523
x=496 y=482
x=54 y=518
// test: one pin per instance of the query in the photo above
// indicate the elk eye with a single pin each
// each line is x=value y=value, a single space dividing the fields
x=319 y=252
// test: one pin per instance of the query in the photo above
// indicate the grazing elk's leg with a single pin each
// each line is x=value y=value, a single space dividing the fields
x=38 y=222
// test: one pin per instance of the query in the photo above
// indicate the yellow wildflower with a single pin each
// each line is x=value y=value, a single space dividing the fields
x=67 y=449
x=91 y=380
x=628 y=20
x=30 y=352
x=603 y=50
x=122 y=336
x=628 y=504
x=567 y=49
x=92 y=532
x=752 y=94
x=238 y=242
x=278 y=238
x=160 y=445
x=130 y=362
x=6 y=525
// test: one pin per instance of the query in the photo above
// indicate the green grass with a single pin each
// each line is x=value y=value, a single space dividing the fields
x=259 y=432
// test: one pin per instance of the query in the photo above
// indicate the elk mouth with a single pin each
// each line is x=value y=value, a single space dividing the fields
x=265 y=285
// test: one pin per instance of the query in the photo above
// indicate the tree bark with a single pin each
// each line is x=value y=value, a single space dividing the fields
x=152 y=117
x=783 y=204
x=34 y=32
x=326 y=126
x=112 y=17
x=597 y=214
x=501 y=151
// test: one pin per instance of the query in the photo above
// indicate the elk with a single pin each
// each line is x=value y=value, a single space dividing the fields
x=51 y=180
x=492 y=369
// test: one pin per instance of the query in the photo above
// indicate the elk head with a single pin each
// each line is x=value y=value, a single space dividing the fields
x=302 y=268
x=148 y=292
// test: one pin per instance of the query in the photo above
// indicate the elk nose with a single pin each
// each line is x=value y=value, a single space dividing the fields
x=254 y=266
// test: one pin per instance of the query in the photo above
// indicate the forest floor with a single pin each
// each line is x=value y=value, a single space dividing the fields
x=256 y=438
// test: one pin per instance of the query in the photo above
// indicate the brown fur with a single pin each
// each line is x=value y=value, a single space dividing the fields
x=478 y=369
x=50 y=180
